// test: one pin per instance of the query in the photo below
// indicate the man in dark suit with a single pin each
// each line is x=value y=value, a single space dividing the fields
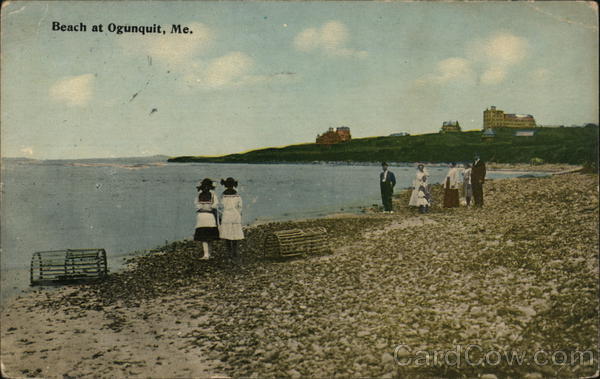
x=387 y=181
x=477 y=180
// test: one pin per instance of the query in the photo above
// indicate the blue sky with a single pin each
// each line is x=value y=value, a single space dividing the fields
x=263 y=74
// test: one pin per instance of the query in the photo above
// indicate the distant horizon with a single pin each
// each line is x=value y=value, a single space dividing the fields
x=260 y=148
x=89 y=158
x=264 y=147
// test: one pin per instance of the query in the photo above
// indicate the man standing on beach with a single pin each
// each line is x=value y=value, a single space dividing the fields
x=387 y=181
x=477 y=179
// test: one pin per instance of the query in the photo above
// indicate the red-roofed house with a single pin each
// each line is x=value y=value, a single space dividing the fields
x=330 y=137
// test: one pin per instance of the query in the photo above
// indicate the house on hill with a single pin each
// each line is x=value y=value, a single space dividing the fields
x=450 y=127
x=331 y=136
x=496 y=118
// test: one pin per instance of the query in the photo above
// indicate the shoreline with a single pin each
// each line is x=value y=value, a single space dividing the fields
x=347 y=211
x=100 y=162
x=359 y=211
x=355 y=208
x=210 y=319
x=492 y=166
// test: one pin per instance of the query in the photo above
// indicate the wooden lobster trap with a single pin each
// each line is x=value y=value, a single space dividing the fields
x=67 y=265
x=292 y=242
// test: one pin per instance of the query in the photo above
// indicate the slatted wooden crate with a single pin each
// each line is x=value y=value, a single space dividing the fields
x=66 y=265
x=291 y=242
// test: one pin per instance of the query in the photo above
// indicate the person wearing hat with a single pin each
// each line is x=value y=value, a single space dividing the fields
x=206 y=216
x=477 y=180
x=231 y=220
x=387 y=181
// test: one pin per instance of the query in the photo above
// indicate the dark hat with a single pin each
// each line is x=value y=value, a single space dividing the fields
x=229 y=182
x=205 y=184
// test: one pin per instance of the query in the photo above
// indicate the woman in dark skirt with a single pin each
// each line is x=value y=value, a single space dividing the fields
x=451 y=187
x=206 y=216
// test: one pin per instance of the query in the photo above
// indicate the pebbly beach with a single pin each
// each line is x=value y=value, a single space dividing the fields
x=519 y=275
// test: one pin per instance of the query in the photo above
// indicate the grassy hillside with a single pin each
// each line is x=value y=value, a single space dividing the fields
x=572 y=145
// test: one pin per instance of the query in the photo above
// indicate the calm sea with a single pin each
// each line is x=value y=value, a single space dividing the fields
x=125 y=206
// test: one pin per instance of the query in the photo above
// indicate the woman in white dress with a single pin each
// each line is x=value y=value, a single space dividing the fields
x=231 y=221
x=420 y=180
x=206 y=216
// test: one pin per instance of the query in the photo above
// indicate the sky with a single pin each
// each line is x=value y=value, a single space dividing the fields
x=259 y=74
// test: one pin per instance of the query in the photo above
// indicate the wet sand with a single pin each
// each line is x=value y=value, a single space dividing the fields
x=521 y=274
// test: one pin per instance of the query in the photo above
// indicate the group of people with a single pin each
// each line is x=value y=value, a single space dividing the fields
x=472 y=177
x=218 y=217
x=221 y=217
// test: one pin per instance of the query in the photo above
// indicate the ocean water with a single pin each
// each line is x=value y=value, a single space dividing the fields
x=125 y=206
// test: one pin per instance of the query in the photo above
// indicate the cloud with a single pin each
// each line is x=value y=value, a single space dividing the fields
x=174 y=49
x=186 y=55
x=493 y=75
x=453 y=68
x=230 y=70
x=73 y=90
x=447 y=70
x=330 y=39
x=488 y=59
x=27 y=151
x=505 y=49
x=334 y=35
x=496 y=55
x=307 y=40
x=225 y=71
